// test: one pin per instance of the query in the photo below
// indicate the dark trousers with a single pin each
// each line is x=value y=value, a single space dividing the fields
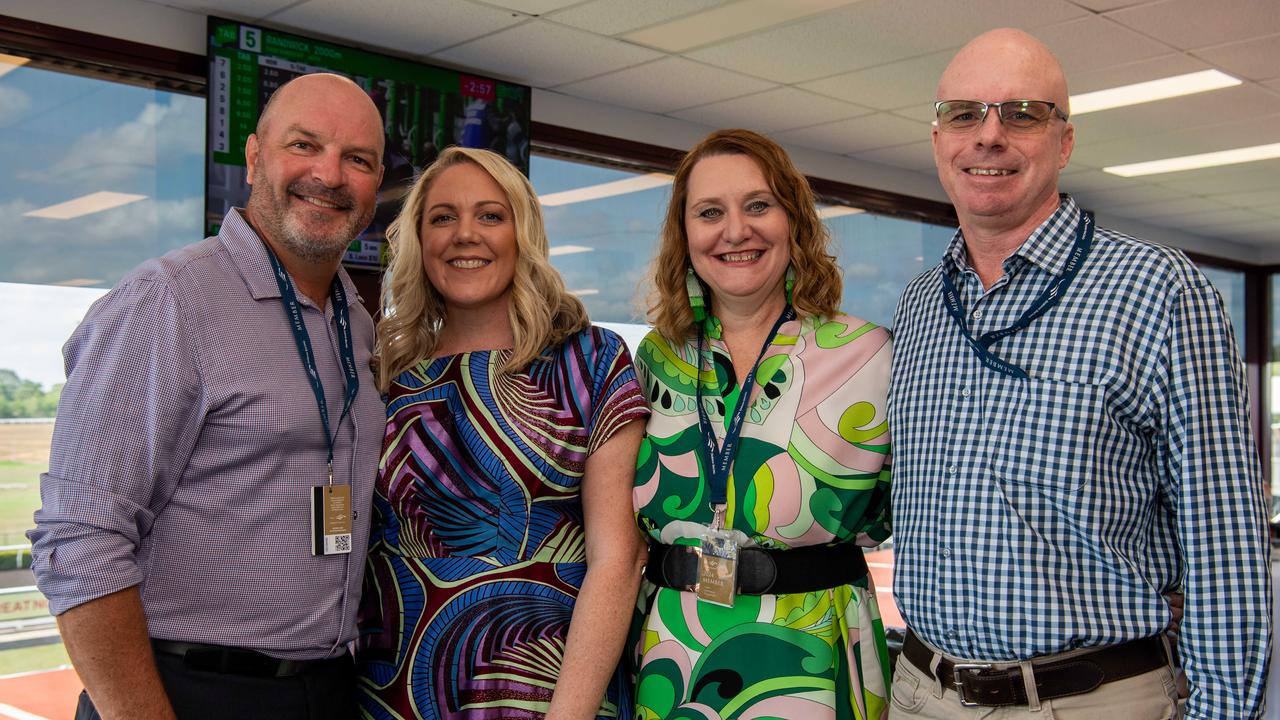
x=325 y=694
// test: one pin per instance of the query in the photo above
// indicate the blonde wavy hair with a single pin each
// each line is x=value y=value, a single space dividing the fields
x=543 y=313
x=818 y=287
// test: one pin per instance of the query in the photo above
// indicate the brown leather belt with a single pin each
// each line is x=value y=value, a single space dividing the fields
x=761 y=571
x=979 y=684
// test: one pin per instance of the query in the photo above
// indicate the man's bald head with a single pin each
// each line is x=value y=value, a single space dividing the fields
x=1003 y=180
x=333 y=88
x=1006 y=53
x=314 y=164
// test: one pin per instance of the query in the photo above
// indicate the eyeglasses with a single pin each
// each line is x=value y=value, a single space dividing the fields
x=1017 y=115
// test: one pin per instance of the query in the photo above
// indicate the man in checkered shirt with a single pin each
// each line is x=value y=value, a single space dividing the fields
x=1071 y=441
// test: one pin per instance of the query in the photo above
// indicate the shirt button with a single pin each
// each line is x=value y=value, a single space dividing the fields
x=977 y=314
x=964 y=392
x=946 y=552
x=952 y=633
x=953 y=469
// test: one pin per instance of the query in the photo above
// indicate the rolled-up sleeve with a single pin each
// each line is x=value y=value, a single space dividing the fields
x=128 y=418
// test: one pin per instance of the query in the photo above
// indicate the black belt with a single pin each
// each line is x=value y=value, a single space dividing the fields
x=979 y=684
x=762 y=571
x=241 y=661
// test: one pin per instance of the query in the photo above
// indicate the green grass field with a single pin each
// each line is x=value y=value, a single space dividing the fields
x=24 y=454
x=28 y=659
x=19 y=498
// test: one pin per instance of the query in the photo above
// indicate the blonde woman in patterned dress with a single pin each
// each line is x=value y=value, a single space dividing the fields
x=504 y=561
x=750 y=351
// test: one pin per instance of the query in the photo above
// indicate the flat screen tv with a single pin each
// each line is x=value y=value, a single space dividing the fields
x=424 y=110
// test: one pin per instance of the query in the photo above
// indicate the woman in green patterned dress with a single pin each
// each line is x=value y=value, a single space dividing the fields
x=765 y=464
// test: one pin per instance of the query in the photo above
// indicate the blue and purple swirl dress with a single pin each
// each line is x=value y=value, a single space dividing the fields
x=478 y=551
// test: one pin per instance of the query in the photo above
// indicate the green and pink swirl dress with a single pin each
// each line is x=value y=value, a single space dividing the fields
x=812 y=468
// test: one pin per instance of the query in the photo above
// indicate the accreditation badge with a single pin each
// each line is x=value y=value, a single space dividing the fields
x=718 y=568
x=331 y=520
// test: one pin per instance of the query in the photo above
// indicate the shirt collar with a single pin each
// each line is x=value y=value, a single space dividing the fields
x=249 y=253
x=1048 y=246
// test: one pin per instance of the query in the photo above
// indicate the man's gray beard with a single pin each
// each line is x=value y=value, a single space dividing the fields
x=280 y=225
x=314 y=249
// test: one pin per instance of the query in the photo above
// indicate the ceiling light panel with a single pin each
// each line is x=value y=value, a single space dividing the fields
x=557 y=250
x=1196 y=162
x=604 y=190
x=9 y=63
x=1151 y=91
x=86 y=205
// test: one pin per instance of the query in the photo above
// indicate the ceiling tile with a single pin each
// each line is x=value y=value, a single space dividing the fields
x=1122 y=196
x=1257 y=59
x=406 y=26
x=1176 y=143
x=728 y=21
x=1154 y=68
x=664 y=85
x=221 y=8
x=1076 y=180
x=1253 y=200
x=913 y=156
x=1188 y=24
x=544 y=54
x=874 y=32
x=1206 y=222
x=1242 y=102
x=1171 y=208
x=1104 y=5
x=532 y=7
x=887 y=87
x=612 y=17
x=869 y=132
x=1242 y=178
x=774 y=110
x=1093 y=43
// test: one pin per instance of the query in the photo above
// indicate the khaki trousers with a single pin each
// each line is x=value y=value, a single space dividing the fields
x=1150 y=696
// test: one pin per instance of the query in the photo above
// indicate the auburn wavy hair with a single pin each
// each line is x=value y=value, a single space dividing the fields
x=818 y=286
x=542 y=313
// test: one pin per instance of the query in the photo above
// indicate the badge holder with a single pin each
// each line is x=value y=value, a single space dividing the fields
x=330 y=519
x=717 y=565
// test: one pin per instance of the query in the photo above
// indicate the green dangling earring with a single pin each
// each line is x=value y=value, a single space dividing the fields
x=696 y=299
x=789 y=282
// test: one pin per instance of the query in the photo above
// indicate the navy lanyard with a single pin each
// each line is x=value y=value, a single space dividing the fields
x=293 y=311
x=1047 y=300
x=720 y=457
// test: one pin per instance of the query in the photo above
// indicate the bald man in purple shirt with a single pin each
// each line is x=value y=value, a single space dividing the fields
x=205 y=514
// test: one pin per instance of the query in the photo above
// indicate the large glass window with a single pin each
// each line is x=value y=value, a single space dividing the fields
x=97 y=177
x=1230 y=285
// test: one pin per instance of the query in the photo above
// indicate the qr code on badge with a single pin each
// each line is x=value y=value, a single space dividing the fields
x=335 y=544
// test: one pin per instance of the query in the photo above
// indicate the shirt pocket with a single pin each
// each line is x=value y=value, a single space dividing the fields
x=1047 y=434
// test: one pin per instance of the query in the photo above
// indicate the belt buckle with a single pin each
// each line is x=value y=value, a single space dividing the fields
x=696 y=551
x=957 y=679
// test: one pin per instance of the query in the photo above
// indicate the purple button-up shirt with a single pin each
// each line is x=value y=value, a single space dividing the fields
x=186 y=445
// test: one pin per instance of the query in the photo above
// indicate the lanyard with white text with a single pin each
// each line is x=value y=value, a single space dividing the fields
x=720 y=457
x=1049 y=298
x=293 y=311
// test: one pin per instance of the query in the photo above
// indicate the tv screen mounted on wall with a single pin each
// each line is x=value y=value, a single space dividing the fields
x=424 y=110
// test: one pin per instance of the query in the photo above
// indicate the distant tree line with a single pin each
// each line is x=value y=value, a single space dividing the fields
x=26 y=398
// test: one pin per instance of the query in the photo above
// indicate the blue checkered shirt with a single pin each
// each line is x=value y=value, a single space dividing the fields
x=1041 y=515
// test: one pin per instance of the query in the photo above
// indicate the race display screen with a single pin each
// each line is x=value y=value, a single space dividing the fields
x=424 y=109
